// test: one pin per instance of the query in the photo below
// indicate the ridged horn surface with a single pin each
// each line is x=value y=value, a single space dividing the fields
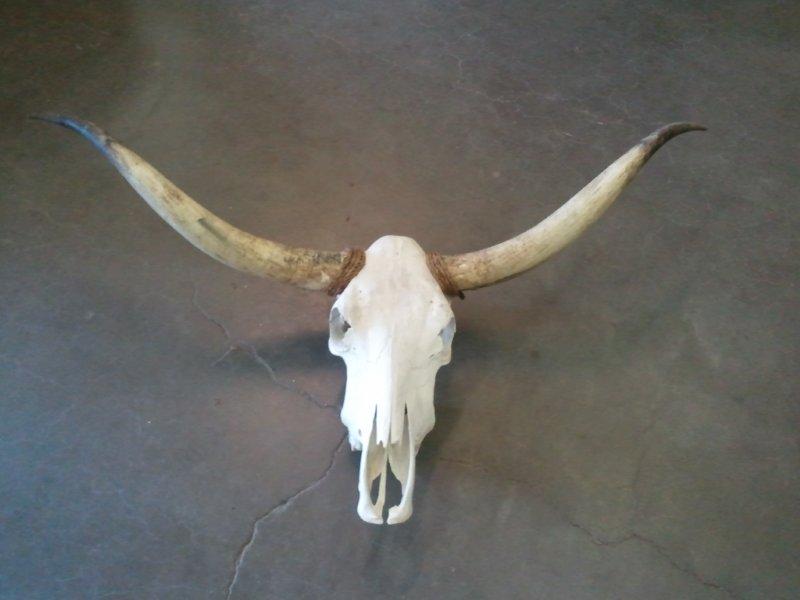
x=306 y=268
x=523 y=252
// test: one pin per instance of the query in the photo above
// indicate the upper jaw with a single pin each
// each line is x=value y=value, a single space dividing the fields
x=376 y=461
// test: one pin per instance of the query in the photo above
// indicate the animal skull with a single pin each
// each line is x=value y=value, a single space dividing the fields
x=393 y=327
x=392 y=322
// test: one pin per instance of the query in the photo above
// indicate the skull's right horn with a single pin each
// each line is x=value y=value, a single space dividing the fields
x=523 y=252
x=306 y=268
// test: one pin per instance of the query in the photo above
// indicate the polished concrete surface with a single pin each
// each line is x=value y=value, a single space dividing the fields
x=620 y=423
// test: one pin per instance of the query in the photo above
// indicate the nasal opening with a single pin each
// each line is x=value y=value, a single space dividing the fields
x=377 y=462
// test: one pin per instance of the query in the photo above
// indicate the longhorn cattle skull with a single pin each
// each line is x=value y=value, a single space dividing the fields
x=392 y=322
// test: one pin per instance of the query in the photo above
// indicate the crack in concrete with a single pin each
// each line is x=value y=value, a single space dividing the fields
x=216 y=322
x=661 y=551
x=597 y=541
x=252 y=352
x=658 y=548
x=282 y=506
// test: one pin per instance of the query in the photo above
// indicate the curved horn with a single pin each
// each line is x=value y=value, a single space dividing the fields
x=310 y=269
x=523 y=252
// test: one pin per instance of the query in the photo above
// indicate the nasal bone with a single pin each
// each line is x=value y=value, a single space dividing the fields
x=376 y=459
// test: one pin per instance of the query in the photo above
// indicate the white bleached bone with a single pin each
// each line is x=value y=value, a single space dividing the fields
x=393 y=327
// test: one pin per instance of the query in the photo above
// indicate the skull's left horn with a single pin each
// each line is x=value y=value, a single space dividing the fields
x=523 y=252
x=310 y=269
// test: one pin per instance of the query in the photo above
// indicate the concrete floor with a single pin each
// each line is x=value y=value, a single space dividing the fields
x=620 y=423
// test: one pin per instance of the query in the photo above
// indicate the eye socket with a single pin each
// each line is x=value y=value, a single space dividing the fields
x=338 y=324
x=447 y=333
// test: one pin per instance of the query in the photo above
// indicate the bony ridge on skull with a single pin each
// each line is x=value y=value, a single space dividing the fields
x=391 y=323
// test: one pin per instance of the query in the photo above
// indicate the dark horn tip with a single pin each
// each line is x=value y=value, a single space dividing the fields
x=661 y=136
x=49 y=118
x=87 y=129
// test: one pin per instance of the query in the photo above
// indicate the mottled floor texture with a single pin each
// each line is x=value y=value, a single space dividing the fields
x=620 y=423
